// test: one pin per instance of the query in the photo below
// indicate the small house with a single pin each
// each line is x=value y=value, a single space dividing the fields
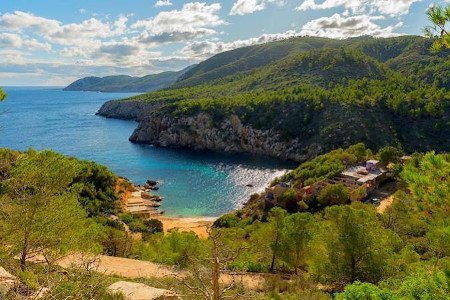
x=274 y=192
x=372 y=165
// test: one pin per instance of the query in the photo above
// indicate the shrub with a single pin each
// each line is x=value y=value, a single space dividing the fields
x=154 y=225
x=334 y=194
x=389 y=154
x=126 y=218
x=226 y=221
x=255 y=267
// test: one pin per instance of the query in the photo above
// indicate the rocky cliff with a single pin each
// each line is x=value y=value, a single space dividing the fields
x=198 y=133
x=331 y=128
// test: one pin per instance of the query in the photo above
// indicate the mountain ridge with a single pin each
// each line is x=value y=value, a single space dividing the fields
x=126 y=83
x=302 y=101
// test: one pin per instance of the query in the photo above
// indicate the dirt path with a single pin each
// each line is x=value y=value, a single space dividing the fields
x=132 y=268
x=384 y=204
x=125 y=267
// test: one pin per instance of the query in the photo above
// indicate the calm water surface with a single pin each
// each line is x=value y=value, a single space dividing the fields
x=192 y=183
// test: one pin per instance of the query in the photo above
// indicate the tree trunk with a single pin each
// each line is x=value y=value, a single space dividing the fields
x=215 y=273
x=23 y=256
x=272 y=264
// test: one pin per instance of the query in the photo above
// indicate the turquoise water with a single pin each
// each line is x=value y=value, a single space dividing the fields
x=192 y=183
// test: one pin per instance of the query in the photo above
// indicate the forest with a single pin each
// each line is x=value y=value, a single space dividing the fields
x=343 y=251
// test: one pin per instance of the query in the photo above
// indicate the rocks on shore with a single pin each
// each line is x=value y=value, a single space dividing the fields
x=140 y=291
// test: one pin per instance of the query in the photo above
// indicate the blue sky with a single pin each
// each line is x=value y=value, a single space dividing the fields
x=53 y=42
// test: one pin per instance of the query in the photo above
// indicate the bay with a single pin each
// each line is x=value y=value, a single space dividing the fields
x=192 y=183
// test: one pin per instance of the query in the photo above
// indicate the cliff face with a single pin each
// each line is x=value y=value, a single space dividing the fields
x=198 y=133
x=330 y=128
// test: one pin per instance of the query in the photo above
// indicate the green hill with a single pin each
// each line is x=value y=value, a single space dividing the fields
x=308 y=93
x=124 y=83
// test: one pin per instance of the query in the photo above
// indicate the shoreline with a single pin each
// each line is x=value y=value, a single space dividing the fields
x=138 y=200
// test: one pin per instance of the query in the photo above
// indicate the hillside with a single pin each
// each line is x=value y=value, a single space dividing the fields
x=124 y=83
x=300 y=97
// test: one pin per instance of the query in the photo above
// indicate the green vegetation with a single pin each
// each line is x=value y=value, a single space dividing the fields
x=388 y=155
x=137 y=224
x=2 y=95
x=440 y=18
x=350 y=250
x=330 y=93
x=94 y=184
x=334 y=194
x=43 y=205
x=326 y=166
x=354 y=249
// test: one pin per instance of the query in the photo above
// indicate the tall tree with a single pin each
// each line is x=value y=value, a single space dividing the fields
x=39 y=212
x=295 y=236
x=428 y=180
x=349 y=245
x=276 y=225
x=440 y=18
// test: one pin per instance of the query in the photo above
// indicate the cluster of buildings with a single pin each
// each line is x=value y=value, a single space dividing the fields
x=360 y=181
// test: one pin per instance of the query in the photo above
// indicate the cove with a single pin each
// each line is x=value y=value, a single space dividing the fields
x=192 y=183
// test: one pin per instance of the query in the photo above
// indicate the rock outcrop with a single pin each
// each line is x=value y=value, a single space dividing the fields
x=7 y=282
x=331 y=127
x=140 y=291
x=128 y=110
x=199 y=133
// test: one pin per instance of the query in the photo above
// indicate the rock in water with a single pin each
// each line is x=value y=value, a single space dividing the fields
x=140 y=291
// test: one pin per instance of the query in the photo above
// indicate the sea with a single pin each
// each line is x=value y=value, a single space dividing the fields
x=192 y=183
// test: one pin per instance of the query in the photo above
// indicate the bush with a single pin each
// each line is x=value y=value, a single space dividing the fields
x=226 y=221
x=153 y=225
x=116 y=224
x=173 y=248
x=389 y=154
x=137 y=225
x=363 y=290
x=334 y=194
x=256 y=267
x=126 y=218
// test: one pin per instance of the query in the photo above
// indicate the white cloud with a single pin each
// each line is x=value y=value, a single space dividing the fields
x=11 y=40
x=336 y=26
x=69 y=34
x=204 y=49
x=341 y=27
x=243 y=7
x=192 y=21
x=388 y=7
x=21 y=20
x=161 y=3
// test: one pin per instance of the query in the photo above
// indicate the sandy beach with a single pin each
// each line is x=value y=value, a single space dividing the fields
x=198 y=225
x=133 y=201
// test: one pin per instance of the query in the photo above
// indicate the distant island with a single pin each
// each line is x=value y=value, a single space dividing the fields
x=127 y=84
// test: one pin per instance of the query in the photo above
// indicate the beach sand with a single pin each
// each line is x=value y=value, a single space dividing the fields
x=198 y=225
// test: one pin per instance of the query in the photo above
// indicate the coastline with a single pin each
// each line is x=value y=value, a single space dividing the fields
x=138 y=200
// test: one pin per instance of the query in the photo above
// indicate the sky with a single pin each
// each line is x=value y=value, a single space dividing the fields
x=54 y=42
